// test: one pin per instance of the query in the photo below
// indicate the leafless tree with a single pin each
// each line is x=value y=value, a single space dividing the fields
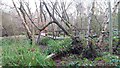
x=57 y=13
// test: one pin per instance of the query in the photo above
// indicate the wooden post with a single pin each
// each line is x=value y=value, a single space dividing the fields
x=110 y=28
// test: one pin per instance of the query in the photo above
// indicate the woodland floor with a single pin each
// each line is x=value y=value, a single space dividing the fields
x=74 y=59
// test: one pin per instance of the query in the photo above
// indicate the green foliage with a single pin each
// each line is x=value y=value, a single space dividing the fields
x=21 y=53
x=6 y=42
x=23 y=33
x=106 y=59
x=55 y=46
x=80 y=62
x=44 y=40
x=109 y=59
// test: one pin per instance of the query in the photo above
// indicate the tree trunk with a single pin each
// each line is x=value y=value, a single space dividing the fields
x=110 y=28
x=22 y=16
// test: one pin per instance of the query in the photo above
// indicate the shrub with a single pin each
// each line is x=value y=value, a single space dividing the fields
x=55 y=46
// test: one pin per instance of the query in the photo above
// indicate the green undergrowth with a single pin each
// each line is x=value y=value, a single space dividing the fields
x=106 y=60
x=103 y=59
x=55 y=46
x=20 y=52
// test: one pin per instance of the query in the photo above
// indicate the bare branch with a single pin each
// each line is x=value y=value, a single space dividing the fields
x=55 y=19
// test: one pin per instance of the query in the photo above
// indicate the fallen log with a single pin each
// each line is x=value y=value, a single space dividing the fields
x=72 y=50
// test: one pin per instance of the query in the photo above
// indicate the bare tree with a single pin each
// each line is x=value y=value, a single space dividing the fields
x=105 y=25
x=23 y=17
x=58 y=12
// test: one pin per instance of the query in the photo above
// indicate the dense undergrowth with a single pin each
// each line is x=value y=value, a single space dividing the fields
x=55 y=46
x=20 y=52
x=103 y=59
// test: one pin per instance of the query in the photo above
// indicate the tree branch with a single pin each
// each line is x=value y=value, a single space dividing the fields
x=55 y=21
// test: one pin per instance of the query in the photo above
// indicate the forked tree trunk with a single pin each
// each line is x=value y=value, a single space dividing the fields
x=22 y=16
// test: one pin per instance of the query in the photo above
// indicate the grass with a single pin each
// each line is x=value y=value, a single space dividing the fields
x=17 y=53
